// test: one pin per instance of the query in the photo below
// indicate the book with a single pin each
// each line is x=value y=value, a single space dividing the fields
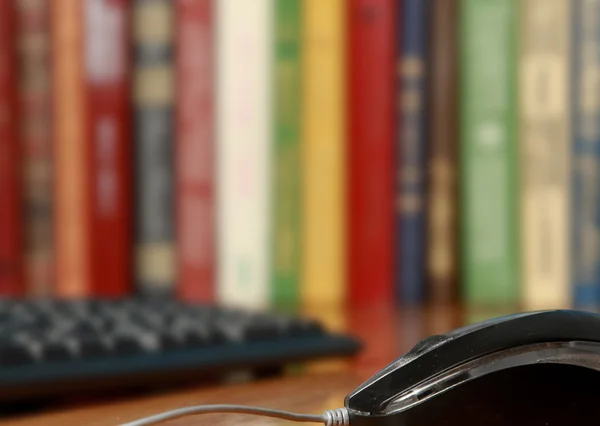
x=287 y=80
x=488 y=152
x=442 y=209
x=107 y=108
x=153 y=116
x=544 y=152
x=70 y=155
x=411 y=151
x=323 y=153
x=371 y=122
x=194 y=151
x=585 y=155
x=35 y=145
x=243 y=93
x=11 y=274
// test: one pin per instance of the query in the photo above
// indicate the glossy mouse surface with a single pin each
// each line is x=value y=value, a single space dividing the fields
x=531 y=368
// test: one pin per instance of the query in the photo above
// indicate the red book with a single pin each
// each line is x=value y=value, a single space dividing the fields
x=194 y=150
x=371 y=130
x=107 y=99
x=10 y=211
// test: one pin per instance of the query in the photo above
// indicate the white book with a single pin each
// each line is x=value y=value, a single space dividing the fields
x=244 y=51
x=545 y=152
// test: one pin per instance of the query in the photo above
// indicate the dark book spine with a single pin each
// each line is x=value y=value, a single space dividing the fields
x=153 y=99
x=194 y=151
x=106 y=83
x=371 y=129
x=585 y=97
x=442 y=158
x=11 y=280
x=34 y=97
x=412 y=48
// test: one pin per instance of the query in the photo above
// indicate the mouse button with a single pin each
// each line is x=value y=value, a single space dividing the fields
x=490 y=323
x=426 y=344
x=378 y=387
x=420 y=348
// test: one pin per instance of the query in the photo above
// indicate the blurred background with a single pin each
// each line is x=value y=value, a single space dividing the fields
x=306 y=155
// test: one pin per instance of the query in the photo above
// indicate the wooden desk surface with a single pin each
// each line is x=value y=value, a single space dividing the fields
x=312 y=388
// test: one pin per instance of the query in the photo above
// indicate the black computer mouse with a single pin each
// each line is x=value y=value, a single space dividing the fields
x=534 y=368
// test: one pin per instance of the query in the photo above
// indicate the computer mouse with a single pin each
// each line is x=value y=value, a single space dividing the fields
x=528 y=369
x=533 y=368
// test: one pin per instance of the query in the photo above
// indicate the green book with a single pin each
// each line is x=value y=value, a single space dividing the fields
x=489 y=151
x=286 y=156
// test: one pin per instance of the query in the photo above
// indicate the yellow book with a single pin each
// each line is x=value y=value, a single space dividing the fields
x=545 y=152
x=323 y=155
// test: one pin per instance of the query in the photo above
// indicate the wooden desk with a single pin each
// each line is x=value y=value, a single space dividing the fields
x=313 y=388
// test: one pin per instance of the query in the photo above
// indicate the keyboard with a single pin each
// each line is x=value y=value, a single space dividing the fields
x=48 y=347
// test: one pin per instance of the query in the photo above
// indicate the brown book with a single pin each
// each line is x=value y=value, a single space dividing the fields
x=442 y=163
x=33 y=49
x=194 y=170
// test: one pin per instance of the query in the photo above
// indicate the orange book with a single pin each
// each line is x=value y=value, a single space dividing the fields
x=70 y=150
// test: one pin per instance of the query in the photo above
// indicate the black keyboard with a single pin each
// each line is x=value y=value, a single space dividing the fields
x=53 y=346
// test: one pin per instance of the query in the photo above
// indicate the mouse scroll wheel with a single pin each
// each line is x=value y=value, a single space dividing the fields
x=426 y=344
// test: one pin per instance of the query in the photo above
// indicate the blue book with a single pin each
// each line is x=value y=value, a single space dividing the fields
x=412 y=52
x=585 y=212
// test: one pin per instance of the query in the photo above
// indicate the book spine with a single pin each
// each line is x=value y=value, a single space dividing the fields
x=371 y=123
x=488 y=151
x=11 y=276
x=286 y=147
x=442 y=157
x=243 y=124
x=72 y=242
x=585 y=198
x=33 y=49
x=153 y=102
x=544 y=152
x=106 y=80
x=411 y=151
x=194 y=151
x=323 y=153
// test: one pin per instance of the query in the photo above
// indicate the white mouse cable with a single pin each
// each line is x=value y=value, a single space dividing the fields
x=336 y=417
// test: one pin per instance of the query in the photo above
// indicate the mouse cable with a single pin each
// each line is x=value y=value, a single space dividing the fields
x=336 y=417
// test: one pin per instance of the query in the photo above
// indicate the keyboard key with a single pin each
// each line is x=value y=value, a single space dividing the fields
x=125 y=345
x=305 y=327
x=92 y=347
x=262 y=327
x=230 y=331
x=194 y=338
x=15 y=353
x=56 y=351
x=170 y=340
